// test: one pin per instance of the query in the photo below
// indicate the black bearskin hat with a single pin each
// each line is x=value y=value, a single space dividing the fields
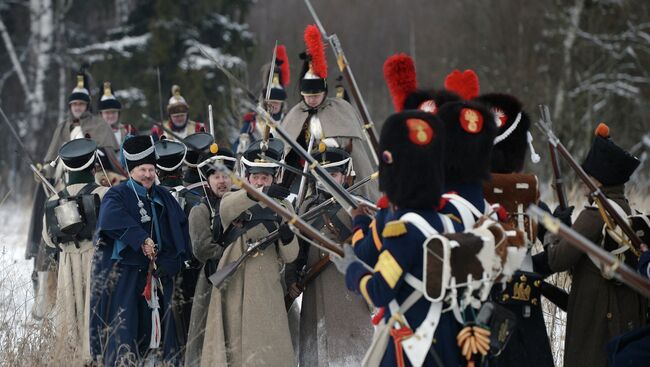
x=411 y=172
x=607 y=162
x=470 y=135
x=108 y=101
x=170 y=154
x=429 y=101
x=511 y=143
x=138 y=150
x=78 y=154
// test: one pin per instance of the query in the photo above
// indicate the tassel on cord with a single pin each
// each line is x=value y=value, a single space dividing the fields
x=534 y=157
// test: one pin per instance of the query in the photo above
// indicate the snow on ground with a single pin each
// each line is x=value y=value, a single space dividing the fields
x=16 y=295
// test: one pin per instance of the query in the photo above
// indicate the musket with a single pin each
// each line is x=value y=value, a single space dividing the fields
x=342 y=196
x=595 y=192
x=558 y=181
x=612 y=265
x=220 y=276
x=368 y=127
x=32 y=162
x=160 y=101
x=313 y=272
x=269 y=81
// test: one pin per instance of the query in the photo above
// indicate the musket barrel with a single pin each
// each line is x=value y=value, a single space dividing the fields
x=618 y=269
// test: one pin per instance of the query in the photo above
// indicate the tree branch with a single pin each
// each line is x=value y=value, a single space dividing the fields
x=14 y=60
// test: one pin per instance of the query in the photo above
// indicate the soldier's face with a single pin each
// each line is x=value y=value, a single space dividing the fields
x=274 y=106
x=110 y=117
x=338 y=177
x=314 y=100
x=145 y=175
x=77 y=108
x=260 y=179
x=220 y=183
x=179 y=119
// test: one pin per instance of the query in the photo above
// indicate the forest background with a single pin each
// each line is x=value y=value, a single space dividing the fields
x=588 y=59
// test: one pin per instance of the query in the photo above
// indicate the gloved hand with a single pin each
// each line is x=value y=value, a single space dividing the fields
x=276 y=191
x=541 y=230
x=343 y=263
x=564 y=215
x=286 y=234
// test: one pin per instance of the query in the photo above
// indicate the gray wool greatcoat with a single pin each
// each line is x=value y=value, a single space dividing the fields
x=339 y=121
x=203 y=249
x=599 y=309
x=247 y=323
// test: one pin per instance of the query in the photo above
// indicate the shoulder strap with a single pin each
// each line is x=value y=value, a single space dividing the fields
x=88 y=189
x=457 y=199
x=420 y=223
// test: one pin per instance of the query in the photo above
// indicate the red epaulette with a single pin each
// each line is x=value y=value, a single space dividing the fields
x=383 y=202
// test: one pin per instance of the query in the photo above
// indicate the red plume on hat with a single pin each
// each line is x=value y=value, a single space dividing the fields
x=464 y=84
x=399 y=72
x=316 y=49
x=281 y=56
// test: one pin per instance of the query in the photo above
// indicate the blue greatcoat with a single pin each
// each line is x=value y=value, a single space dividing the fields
x=120 y=319
x=406 y=250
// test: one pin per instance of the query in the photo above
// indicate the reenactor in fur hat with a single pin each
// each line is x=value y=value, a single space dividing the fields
x=600 y=307
x=470 y=135
x=411 y=173
x=334 y=323
x=143 y=240
x=233 y=335
x=317 y=116
x=179 y=122
x=69 y=224
x=515 y=191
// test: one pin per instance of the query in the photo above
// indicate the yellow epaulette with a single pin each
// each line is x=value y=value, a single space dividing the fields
x=394 y=228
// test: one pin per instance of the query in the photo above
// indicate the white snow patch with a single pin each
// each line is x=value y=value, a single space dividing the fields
x=16 y=294
x=195 y=60
x=121 y=46
x=132 y=96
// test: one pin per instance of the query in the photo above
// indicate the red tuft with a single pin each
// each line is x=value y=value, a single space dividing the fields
x=316 y=49
x=147 y=288
x=602 y=130
x=281 y=54
x=399 y=72
x=249 y=117
x=382 y=203
x=464 y=84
